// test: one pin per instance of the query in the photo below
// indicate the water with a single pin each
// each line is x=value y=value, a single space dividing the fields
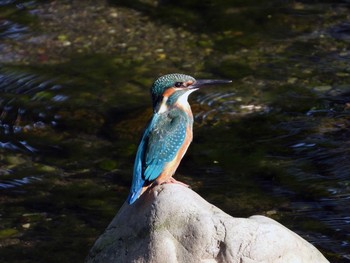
x=74 y=101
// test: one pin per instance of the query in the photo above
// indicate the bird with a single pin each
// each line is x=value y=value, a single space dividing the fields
x=168 y=133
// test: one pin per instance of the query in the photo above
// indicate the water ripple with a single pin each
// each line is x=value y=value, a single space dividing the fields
x=223 y=106
x=23 y=83
x=26 y=104
x=7 y=184
x=19 y=87
x=341 y=32
x=12 y=30
x=6 y=2
x=17 y=146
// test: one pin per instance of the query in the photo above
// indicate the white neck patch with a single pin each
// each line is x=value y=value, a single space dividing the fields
x=163 y=107
x=183 y=99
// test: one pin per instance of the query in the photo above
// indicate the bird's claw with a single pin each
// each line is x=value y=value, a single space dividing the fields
x=172 y=180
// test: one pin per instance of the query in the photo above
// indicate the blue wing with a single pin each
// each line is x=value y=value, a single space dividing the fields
x=160 y=142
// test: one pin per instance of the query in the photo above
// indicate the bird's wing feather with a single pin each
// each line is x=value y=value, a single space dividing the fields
x=164 y=141
x=160 y=142
x=138 y=179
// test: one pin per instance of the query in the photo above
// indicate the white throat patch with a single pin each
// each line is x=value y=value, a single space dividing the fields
x=183 y=99
x=163 y=107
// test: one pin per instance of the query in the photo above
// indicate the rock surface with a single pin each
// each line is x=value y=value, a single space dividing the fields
x=172 y=224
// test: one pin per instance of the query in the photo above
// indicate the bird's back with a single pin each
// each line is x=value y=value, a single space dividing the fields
x=166 y=136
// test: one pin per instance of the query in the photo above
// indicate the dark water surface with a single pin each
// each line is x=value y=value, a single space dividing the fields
x=74 y=80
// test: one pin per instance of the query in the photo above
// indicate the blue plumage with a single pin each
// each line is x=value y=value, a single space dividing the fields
x=138 y=180
x=159 y=144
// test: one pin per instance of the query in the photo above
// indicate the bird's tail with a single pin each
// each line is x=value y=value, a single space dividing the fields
x=133 y=196
x=136 y=187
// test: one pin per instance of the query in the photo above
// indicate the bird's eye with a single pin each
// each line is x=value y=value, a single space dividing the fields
x=178 y=84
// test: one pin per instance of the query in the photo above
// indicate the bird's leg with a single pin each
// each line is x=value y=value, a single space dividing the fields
x=168 y=180
x=172 y=180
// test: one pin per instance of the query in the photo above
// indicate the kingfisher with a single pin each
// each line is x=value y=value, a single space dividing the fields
x=168 y=134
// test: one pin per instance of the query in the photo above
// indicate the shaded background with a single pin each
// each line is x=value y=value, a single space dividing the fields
x=74 y=85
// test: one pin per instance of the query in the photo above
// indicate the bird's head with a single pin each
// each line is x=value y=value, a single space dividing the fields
x=175 y=88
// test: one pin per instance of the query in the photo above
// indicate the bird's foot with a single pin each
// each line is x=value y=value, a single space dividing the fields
x=172 y=180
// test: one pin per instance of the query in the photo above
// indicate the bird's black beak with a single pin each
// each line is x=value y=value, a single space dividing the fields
x=205 y=82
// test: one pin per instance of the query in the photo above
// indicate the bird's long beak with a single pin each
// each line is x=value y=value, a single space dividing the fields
x=205 y=82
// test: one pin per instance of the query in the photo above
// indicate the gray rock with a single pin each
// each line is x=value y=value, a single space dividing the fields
x=172 y=224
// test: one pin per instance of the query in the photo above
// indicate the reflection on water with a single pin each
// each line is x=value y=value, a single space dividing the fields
x=5 y=184
x=9 y=29
x=341 y=32
x=274 y=143
x=17 y=145
x=26 y=100
x=223 y=106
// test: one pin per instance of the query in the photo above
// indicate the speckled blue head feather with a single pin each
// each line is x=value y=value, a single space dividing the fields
x=165 y=82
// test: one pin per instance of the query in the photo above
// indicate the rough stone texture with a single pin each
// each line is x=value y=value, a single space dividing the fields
x=174 y=224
